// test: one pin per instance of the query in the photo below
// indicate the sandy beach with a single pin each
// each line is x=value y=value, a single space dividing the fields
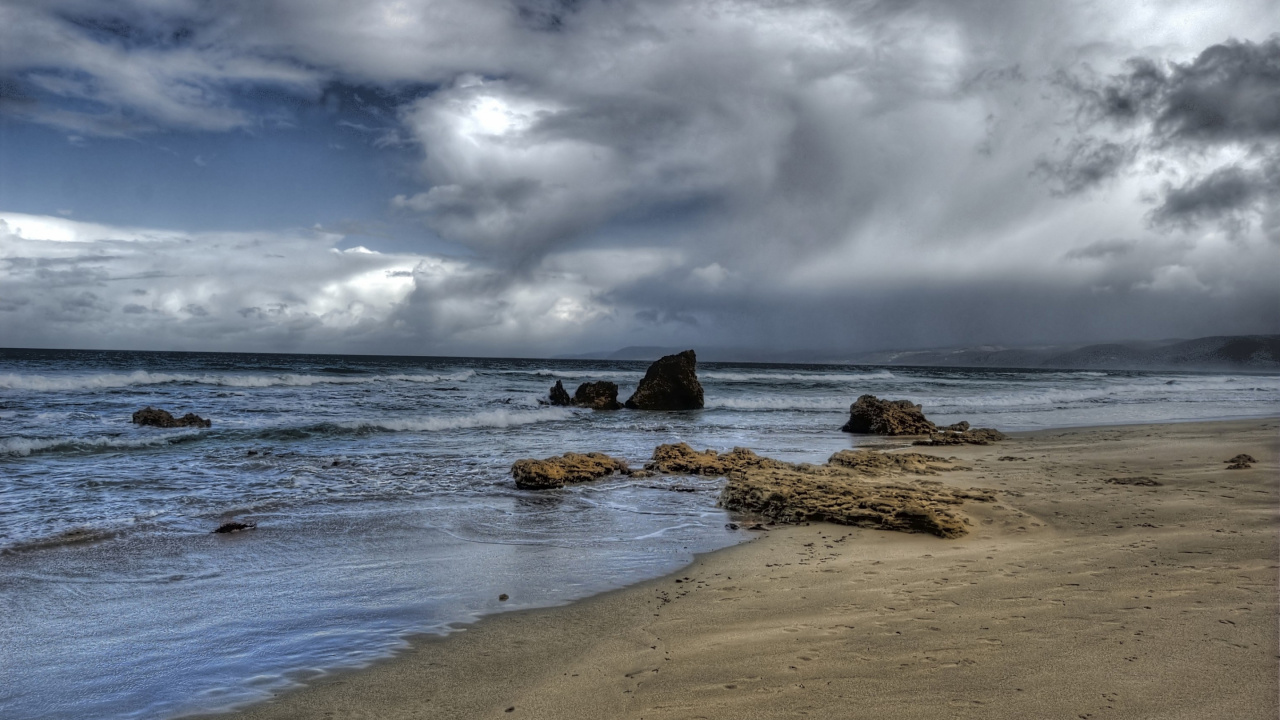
x=1122 y=572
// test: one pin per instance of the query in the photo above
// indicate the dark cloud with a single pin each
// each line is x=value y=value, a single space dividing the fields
x=1102 y=249
x=1226 y=195
x=1087 y=163
x=1176 y=115
x=739 y=172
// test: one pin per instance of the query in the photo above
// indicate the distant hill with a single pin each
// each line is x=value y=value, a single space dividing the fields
x=1260 y=353
x=1242 y=352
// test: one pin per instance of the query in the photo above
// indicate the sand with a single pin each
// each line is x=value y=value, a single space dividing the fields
x=1071 y=597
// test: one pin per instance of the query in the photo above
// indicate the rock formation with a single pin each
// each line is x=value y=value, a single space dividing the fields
x=671 y=383
x=560 y=396
x=1240 y=462
x=162 y=418
x=567 y=469
x=976 y=436
x=852 y=489
x=602 y=395
x=873 y=416
x=680 y=459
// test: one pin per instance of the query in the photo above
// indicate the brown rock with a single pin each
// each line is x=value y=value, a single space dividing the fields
x=871 y=415
x=1240 y=462
x=977 y=436
x=601 y=395
x=870 y=462
x=671 y=383
x=680 y=459
x=567 y=469
x=851 y=490
x=162 y=418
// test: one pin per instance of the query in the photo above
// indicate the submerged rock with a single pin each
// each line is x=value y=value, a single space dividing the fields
x=872 y=416
x=560 y=396
x=232 y=527
x=602 y=395
x=155 y=417
x=853 y=489
x=567 y=469
x=680 y=459
x=671 y=383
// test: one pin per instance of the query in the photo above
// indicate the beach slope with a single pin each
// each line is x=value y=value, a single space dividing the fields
x=1122 y=572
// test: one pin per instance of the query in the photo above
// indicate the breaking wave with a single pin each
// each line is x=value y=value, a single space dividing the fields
x=22 y=446
x=813 y=377
x=782 y=403
x=56 y=383
x=486 y=419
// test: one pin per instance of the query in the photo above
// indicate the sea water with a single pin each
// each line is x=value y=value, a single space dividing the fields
x=384 y=506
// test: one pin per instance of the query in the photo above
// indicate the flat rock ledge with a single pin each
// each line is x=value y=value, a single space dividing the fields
x=156 y=417
x=680 y=459
x=568 y=469
x=853 y=488
x=864 y=488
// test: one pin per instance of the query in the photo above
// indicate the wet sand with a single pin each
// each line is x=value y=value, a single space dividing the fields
x=1071 y=597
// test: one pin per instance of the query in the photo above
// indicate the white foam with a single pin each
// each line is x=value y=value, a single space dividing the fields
x=779 y=403
x=22 y=446
x=486 y=419
x=815 y=377
x=56 y=383
x=585 y=373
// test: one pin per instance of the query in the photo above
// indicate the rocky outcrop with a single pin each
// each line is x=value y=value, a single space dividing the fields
x=680 y=459
x=155 y=417
x=862 y=488
x=976 y=436
x=560 y=396
x=671 y=383
x=872 y=416
x=871 y=462
x=1240 y=462
x=602 y=395
x=567 y=469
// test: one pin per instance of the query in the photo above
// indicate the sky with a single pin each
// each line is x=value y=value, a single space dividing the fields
x=541 y=177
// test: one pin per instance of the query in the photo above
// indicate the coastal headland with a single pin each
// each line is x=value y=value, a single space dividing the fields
x=1126 y=572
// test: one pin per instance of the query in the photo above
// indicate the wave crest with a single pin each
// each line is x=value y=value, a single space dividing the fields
x=54 y=383
x=486 y=419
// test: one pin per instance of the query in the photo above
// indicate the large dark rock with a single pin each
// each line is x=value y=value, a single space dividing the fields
x=162 y=418
x=560 y=396
x=873 y=416
x=671 y=383
x=601 y=395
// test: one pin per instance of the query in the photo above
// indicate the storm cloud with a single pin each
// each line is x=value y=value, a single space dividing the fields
x=591 y=174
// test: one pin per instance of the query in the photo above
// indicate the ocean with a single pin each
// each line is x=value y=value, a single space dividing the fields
x=384 y=507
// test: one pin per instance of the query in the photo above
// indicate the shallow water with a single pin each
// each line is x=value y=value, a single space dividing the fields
x=384 y=506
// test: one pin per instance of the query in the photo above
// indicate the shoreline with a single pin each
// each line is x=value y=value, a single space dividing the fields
x=606 y=655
